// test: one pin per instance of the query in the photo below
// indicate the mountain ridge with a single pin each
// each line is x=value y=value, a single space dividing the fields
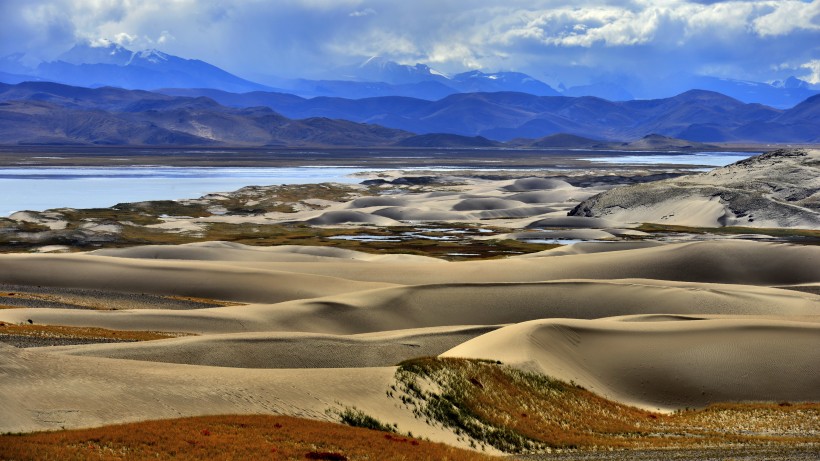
x=467 y=120
x=105 y=63
x=695 y=115
x=55 y=114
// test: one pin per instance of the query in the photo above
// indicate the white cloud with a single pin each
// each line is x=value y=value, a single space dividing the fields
x=458 y=53
x=744 y=38
x=588 y=27
x=164 y=37
x=788 y=16
x=124 y=39
x=361 y=13
x=813 y=67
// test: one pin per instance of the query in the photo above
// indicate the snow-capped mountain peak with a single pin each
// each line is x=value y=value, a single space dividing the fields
x=103 y=62
x=152 y=56
x=476 y=80
x=791 y=83
x=97 y=52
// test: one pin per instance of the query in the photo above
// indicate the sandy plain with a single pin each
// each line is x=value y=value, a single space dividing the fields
x=659 y=322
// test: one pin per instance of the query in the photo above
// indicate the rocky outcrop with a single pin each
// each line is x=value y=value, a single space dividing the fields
x=776 y=189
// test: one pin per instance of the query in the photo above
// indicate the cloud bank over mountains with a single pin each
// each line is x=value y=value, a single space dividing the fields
x=624 y=42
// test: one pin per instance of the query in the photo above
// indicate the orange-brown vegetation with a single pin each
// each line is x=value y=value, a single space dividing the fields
x=516 y=411
x=83 y=302
x=227 y=438
x=59 y=331
x=205 y=301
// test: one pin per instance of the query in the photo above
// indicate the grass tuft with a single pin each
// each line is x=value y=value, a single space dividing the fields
x=357 y=418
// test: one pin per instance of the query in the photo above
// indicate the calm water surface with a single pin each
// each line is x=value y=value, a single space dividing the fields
x=83 y=187
x=44 y=188
x=714 y=159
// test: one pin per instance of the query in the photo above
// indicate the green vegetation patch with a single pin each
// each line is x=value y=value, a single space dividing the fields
x=357 y=418
x=283 y=199
x=454 y=242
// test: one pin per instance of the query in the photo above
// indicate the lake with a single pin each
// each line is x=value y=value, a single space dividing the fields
x=714 y=159
x=41 y=188
x=76 y=187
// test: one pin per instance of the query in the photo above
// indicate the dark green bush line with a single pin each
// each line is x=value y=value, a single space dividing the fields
x=357 y=418
x=449 y=405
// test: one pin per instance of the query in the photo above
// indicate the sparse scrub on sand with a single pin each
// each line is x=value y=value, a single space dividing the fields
x=226 y=438
x=805 y=236
x=60 y=331
x=357 y=418
x=522 y=412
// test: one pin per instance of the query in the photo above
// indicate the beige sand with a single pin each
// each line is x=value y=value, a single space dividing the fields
x=561 y=312
x=446 y=305
x=287 y=350
x=666 y=363
x=725 y=261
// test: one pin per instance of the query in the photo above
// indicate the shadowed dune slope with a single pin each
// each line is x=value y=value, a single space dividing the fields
x=666 y=363
x=448 y=305
x=287 y=350
x=737 y=262
x=229 y=251
x=724 y=261
x=200 y=278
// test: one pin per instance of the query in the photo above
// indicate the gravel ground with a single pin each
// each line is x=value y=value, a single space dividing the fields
x=710 y=454
x=80 y=298
x=39 y=341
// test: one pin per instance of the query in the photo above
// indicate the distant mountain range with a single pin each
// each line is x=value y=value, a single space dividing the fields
x=49 y=113
x=109 y=64
x=695 y=115
x=113 y=65
x=54 y=114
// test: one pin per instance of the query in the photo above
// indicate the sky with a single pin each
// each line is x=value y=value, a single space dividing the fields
x=570 y=42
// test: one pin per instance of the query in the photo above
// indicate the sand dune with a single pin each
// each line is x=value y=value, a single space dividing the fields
x=183 y=278
x=572 y=222
x=552 y=196
x=724 y=261
x=616 y=320
x=333 y=218
x=775 y=189
x=228 y=251
x=482 y=204
x=380 y=201
x=287 y=350
x=473 y=200
x=418 y=214
x=659 y=325
x=531 y=184
x=513 y=213
x=50 y=391
x=585 y=234
x=447 y=305
x=666 y=363
x=594 y=247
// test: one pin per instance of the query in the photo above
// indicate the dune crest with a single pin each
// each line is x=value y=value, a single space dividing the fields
x=665 y=364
